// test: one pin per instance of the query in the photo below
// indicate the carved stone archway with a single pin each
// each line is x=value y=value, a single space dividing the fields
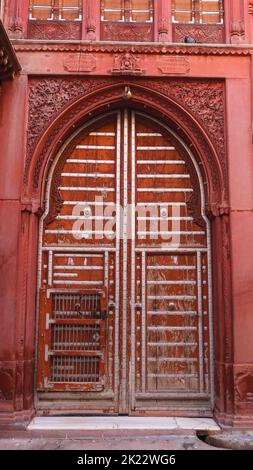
x=195 y=110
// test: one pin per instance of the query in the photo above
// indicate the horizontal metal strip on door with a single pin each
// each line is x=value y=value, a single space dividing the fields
x=172 y=328
x=173 y=344
x=96 y=147
x=166 y=190
x=78 y=188
x=106 y=134
x=166 y=219
x=84 y=249
x=75 y=321
x=172 y=359
x=156 y=148
x=171 y=283
x=172 y=313
x=74 y=255
x=88 y=175
x=82 y=268
x=160 y=162
x=172 y=375
x=83 y=217
x=74 y=352
x=169 y=249
x=178 y=232
x=174 y=176
x=148 y=134
x=161 y=204
x=79 y=283
x=85 y=232
x=88 y=203
x=96 y=162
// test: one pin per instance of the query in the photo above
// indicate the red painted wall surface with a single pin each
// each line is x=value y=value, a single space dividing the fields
x=230 y=206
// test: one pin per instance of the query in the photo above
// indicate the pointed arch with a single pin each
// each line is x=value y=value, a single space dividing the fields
x=156 y=104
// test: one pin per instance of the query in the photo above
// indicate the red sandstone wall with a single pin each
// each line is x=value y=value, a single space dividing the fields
x=18 y=237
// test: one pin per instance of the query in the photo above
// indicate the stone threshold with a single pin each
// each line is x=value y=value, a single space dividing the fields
x=96 y=423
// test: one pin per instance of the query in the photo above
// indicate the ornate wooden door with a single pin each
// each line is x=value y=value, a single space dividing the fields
x=124 y=275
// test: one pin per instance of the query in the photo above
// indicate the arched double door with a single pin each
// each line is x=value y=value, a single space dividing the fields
x=124 y=310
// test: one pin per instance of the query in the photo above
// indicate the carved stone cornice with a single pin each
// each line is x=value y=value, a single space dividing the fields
x=9 y=64
x=196 y=49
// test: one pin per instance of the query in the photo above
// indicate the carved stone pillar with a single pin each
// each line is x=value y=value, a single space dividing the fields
x=164 y=21
x=17 y=18
x=91 y=20
x=251 y=20
x=223 y=318
x=236 y=11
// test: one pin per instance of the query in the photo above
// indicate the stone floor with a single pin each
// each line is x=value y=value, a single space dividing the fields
x=107 y=441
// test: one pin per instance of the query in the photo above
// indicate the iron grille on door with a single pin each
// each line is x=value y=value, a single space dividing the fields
x=73 y=340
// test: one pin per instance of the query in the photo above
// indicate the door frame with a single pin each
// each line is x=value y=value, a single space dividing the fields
x=128 y=377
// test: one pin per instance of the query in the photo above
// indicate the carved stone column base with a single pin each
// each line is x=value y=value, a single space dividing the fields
x=227 y=421
x=16 y=420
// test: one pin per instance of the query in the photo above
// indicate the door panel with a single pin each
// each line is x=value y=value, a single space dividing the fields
x=171 y=318
x=124 y=270
x=79 y=265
